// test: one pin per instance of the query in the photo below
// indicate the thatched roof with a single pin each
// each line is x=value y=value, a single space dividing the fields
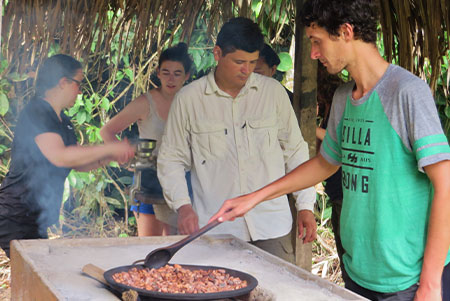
x=31 y=27
x=416 y=30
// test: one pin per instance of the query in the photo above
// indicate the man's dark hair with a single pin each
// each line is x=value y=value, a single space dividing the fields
x=240 y=34
x=178 y=53
x=363 y=15
x=270 y=56
x=53 y=70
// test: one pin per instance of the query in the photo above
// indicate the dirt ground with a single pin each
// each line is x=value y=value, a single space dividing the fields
x=5 y=294
x=5 y=277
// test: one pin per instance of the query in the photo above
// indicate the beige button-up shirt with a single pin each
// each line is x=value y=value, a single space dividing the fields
x=232 y=147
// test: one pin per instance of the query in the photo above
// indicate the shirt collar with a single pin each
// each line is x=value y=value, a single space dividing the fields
x=211 y=85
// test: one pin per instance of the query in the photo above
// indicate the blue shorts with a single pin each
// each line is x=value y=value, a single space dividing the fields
x=150 y=182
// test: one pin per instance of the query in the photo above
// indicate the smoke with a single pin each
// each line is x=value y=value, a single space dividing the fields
x=32 y=181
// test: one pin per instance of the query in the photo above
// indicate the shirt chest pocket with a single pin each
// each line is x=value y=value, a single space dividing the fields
x=262 y=135
x=209 y=139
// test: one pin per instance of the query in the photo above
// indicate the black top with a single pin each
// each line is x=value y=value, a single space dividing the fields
x=34 y=186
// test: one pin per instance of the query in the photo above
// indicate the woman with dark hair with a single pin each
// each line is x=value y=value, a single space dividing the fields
x=150 y=111
x=44 y=150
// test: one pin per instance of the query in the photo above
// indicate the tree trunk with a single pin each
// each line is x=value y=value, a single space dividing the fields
x=305 y=107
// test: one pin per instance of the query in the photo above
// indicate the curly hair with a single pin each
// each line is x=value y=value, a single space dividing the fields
x=363 y=15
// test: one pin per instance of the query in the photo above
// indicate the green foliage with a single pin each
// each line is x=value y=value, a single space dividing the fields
x=285 y=62
x=324 y=209
x=200 y=49
x=4 y=104
x=442 y=96
x=7 y=82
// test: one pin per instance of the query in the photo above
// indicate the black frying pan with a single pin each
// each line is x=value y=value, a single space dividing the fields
x=251 y=284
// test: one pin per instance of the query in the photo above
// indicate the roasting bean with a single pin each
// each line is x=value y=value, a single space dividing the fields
x=177 y=280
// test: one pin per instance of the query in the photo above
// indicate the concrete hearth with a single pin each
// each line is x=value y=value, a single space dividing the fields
x=52 y=269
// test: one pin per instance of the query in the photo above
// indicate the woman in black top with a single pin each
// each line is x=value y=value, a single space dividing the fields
x=44 y=150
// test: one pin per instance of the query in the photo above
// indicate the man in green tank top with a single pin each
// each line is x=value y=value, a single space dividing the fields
x=385 y=132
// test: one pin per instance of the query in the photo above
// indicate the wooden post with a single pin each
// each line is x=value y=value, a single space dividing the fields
x=305 y=104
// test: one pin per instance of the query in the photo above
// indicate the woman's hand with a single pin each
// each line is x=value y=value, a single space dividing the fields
x=122 y=151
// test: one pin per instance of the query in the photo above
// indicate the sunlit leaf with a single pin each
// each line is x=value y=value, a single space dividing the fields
x=89 y=105
x=4 y=104
x=92 y=137
x=114 y=164
x=211 y=61
x=73 y=110
x=197 y=59
x=285 y=62
x=96 y=98
x=113 y=202
x=132 y=221
x=129 y=73
x=72 y=179
x=126 y=60
x=110 y=15
x=54 y=49
x=327 y=213
x=99 y=137
x=256 y=7
x=66 y=192
x=3 y=64
x=93 y=46
x=105 y=104
x=81 y=117
x=99 y=186
x=119 y=75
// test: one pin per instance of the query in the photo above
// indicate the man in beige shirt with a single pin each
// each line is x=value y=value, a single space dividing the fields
x=236 y=131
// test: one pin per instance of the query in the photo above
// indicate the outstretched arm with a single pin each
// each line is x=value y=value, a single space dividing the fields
x=306 y=175
x=52 y=147
x=94 y=165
